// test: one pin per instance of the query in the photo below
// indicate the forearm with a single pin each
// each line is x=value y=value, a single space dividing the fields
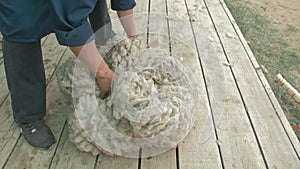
x=126 y=18
x=89 y=55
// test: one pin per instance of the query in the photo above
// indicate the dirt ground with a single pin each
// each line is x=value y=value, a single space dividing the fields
x=285 y=16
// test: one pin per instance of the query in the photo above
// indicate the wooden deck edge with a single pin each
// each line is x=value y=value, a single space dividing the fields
x=288 y=129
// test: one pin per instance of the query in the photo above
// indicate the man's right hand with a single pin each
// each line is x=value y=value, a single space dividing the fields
x=90 y=56
x=104 y=79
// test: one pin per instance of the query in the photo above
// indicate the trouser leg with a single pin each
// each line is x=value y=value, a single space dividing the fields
x=26 y=80
x=101 y=23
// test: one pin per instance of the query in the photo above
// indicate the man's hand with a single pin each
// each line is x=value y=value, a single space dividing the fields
x=104 y=79
x=90 y=56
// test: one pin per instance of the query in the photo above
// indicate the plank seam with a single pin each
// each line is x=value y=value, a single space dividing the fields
x=58 y=142
x=5 y=98
x=4 y=164
x=44 y=40
x=177 y=158
x=140 y=158
x=238 y=88
x=170 y=50
x=54 y=71
x=50 y=79
x=96 y=162
x=275 y=104
x=168 y=25
x=148 y=23
x=206 y=87
x=139 y=164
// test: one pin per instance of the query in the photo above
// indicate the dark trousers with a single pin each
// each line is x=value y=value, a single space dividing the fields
x=25 y=70
x=101 y=23
x=26 y=80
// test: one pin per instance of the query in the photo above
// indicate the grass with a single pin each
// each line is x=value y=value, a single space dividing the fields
x=271 y=50
x=292 y=28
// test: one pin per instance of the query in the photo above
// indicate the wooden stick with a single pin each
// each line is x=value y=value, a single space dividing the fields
x=288 y=88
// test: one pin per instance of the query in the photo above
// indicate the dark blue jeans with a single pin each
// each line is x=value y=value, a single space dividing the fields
x=26 y=80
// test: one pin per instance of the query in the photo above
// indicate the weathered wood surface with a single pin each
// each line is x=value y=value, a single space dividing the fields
x=158 y=26
x=241 y=123
x=272 y=138
x=265 y=83
x=201 y=142
x=237 y=142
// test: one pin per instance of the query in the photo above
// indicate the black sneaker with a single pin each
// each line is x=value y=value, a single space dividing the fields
x=38 y=134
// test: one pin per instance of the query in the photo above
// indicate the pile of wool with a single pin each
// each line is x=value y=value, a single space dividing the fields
x=151 y=106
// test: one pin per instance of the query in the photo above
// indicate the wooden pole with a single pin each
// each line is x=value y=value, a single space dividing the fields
x=288 y=88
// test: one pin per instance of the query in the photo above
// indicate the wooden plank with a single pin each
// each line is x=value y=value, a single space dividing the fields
x=274 y=143
x=116 y=24
x=52 y=53
x=141 y=6
x=112 y=14
x=241 y=36
x=238 y=145
x=33 y=157
x=68 y=156
x=141 y=17
x=9 y=132
x=105 y=161
x=43 y=40
x=158 y=25
x=268 y=89
x=158 y=38
x=201 y=141
x=161 y=161
x=292 y=136
x=3 y=84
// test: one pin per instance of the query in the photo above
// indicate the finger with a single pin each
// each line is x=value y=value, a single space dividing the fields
x=103 y=94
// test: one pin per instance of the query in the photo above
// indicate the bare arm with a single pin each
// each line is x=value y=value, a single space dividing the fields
x=126 y=18
x=90 y=56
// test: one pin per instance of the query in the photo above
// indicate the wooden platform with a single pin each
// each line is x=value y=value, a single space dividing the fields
x=241 y=123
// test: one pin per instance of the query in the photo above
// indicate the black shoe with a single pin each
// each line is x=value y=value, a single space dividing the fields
x=38 y=134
